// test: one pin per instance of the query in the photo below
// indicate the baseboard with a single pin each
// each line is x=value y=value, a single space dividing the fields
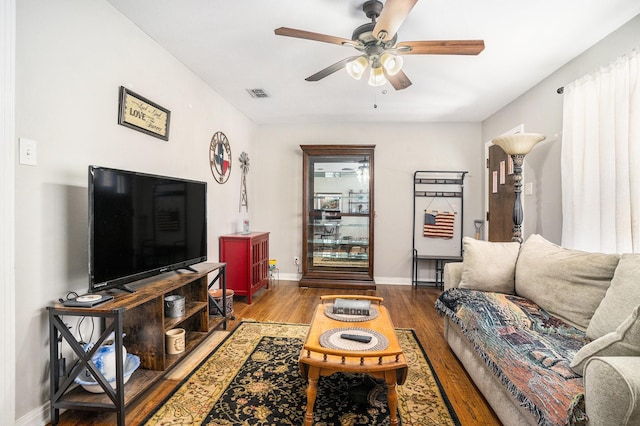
x=289 y=277
x=392 y=281
x=36 y=417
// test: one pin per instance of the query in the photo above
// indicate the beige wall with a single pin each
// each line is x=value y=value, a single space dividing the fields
x=540 y=110
x=72 y=56
x=401 y=149
x=7 y=210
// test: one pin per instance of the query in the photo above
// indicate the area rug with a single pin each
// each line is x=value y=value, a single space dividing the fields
x=252 y=378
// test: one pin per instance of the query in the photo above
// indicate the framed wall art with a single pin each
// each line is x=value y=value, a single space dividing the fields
x=139 y=113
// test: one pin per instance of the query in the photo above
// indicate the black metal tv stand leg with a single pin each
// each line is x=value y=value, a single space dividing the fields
x=221 y=278
x=125 y=287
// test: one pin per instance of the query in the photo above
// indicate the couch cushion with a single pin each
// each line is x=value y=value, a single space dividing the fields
x=488 y=266
x=567 y=283
x=625 y=341
x=622 y=296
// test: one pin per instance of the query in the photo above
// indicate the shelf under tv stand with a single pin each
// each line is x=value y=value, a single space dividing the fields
x=140 y=316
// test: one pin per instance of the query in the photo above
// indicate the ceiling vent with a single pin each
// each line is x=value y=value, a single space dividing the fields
x=258 y=93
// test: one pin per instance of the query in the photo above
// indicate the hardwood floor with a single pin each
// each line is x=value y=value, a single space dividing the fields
x=286 y=302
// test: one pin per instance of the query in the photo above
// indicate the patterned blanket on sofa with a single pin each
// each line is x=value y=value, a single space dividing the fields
x=528 y=349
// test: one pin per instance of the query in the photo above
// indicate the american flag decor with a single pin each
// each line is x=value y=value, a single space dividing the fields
x=439 y=225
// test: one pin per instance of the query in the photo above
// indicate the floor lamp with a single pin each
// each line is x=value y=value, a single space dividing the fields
x=517 y=146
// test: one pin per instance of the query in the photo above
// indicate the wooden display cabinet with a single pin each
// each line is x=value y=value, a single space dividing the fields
x=140 y=317
x=247 y=259
x=337 y=216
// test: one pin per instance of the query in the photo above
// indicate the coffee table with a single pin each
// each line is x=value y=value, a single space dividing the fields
x=318 y=360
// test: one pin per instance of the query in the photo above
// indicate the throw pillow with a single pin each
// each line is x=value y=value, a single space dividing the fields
x=621 y=297
x=625 y=341
x=488 y=266
x=569 y=284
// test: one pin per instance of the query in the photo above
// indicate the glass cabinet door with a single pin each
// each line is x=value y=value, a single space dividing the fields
x=337 y=216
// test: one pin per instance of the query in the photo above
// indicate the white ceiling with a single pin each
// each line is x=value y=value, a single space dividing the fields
x=231 y=45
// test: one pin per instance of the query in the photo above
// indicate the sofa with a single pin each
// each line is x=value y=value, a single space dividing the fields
x=549 y=335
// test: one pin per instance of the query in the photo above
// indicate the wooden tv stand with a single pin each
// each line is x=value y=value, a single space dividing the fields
x=140 y=316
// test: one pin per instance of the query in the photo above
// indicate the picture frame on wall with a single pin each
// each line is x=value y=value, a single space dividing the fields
x=141 y=114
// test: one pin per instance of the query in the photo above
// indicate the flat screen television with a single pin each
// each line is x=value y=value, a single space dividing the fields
x=141 y=225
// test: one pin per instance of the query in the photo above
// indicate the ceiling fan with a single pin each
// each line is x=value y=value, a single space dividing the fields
x=376 y=42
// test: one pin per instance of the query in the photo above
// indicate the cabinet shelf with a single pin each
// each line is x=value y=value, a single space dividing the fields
x=139 y=381
x=343 y=241
x=337 y=255
x=341 y=224
x=190 y=309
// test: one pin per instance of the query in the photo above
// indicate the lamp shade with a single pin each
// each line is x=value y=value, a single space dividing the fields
x=376 y=78
x=357 y=67
x=521 y=143
x=391 y=63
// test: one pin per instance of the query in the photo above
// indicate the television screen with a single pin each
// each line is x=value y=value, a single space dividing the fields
x=141 y=225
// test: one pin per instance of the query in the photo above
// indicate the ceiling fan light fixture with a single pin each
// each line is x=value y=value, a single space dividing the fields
x=376 y=43
x=376 y=77
x=357 y=67
x=391 y=63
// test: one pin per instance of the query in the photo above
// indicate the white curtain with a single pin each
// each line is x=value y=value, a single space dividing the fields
x=601 y=159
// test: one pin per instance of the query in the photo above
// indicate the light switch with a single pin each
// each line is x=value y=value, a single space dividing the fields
x=28 y=152
x=528 y=188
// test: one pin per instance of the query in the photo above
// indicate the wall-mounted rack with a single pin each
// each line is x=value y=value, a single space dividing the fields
x=437 y=248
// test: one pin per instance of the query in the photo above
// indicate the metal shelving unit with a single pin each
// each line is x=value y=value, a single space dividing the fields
x=430 y=185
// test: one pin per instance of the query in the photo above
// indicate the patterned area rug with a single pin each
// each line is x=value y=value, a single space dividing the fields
x=252 y=378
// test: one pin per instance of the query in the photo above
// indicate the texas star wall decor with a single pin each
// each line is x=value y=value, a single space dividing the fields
x=220 y=157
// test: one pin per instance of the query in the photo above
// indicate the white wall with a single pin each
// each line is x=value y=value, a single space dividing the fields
x=7 y=209
x=540 y=110
x=72 y=56
x=401 y=149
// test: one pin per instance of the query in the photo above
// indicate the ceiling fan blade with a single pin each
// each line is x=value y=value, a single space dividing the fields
x=330 y=69
x=399 y=81
x=441 y=47
x=392 y=16
x=308 y=35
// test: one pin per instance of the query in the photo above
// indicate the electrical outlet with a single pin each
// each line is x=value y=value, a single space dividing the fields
x=28 y=152
x=296 y=260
